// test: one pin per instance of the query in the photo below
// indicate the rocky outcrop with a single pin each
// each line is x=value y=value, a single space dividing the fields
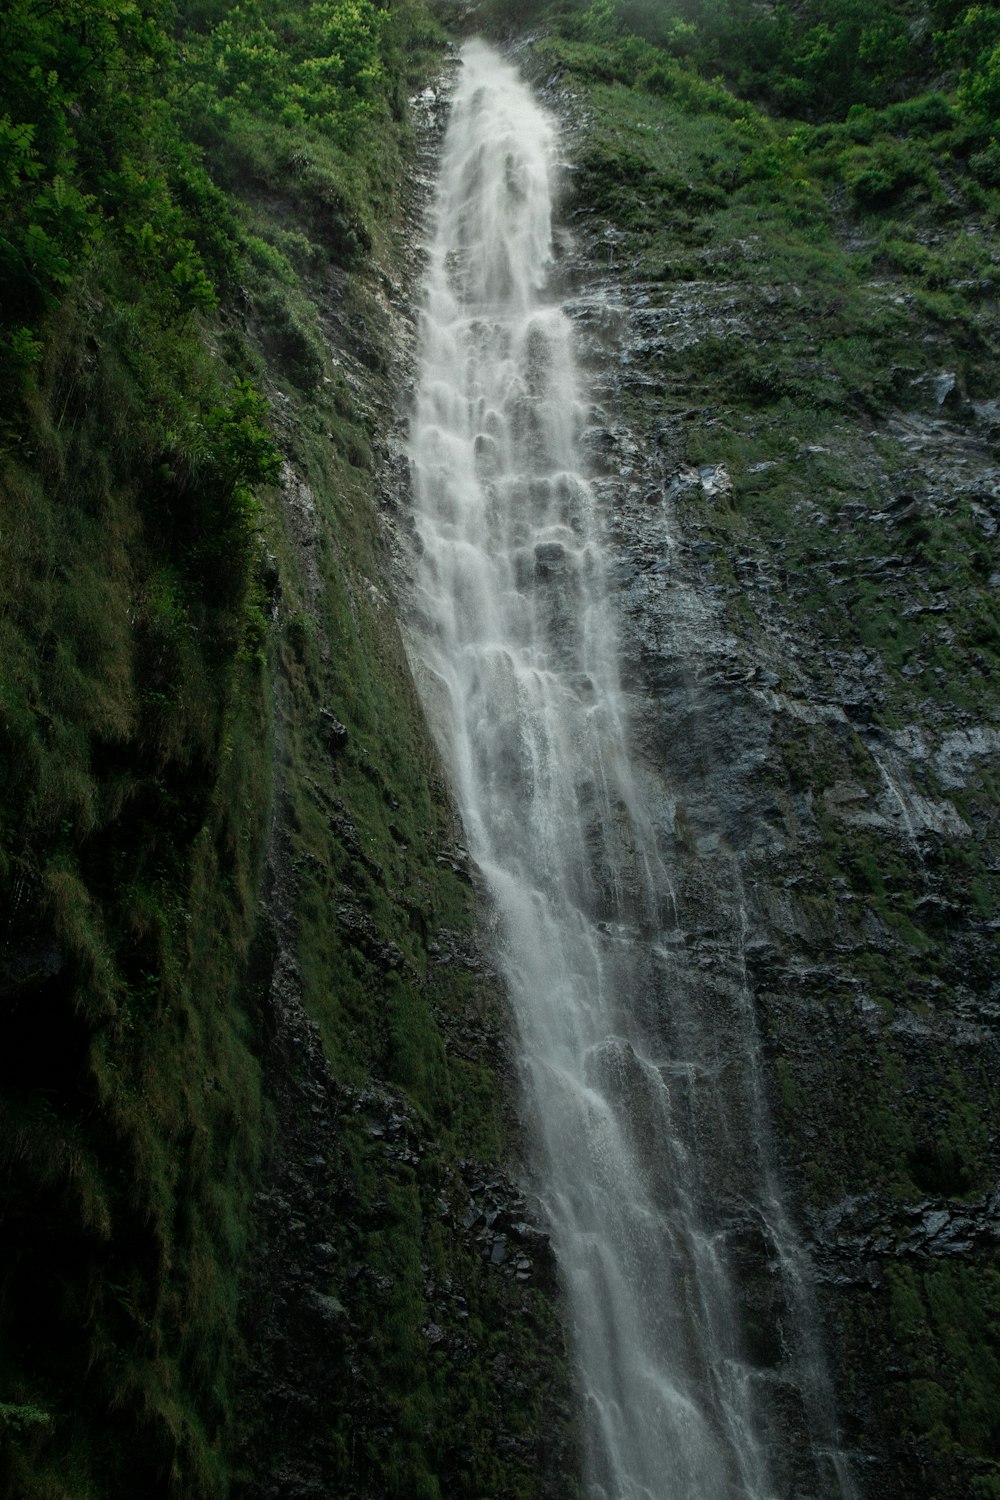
x=817 y=723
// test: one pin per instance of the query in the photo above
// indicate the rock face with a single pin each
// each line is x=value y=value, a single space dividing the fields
x=401 y=1311
x=319 y=1402
x=820 y=753
x=815 y=734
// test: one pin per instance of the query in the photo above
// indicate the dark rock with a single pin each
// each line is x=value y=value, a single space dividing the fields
x=30 y=963
x=333 y=731
x=325 y=1308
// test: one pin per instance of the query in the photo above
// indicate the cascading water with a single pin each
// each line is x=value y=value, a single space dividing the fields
x=513 y=643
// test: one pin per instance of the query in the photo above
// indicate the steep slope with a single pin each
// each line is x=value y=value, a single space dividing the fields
x=797 y=367
x=259 y=1232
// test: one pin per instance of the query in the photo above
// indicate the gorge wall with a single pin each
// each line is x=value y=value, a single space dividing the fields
x=806 y=590
x=263 y=1232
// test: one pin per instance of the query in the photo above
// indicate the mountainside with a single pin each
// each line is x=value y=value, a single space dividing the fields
x=797 y=369
x=260 y=1230
x=262 y=1233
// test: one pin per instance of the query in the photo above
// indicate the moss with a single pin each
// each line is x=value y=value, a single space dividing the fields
x=942 y=1319
x=138 y=666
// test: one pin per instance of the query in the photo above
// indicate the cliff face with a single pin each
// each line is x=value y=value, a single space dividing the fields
x=796 y=449
x=401 y=1310
x=262 y=1233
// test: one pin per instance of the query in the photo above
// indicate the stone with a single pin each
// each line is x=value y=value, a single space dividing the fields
x=333 y=731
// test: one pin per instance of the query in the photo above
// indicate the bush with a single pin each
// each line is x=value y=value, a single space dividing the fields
x=290 y=334
x=985 y=165
x=879 y=173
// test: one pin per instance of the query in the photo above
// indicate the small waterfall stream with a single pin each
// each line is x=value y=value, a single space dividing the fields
x=513 y=643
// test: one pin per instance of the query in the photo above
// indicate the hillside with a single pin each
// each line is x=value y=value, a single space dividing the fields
x=793 y=332
x=254 y=1072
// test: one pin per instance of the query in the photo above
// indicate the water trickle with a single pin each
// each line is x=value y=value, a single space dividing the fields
x=514 y=646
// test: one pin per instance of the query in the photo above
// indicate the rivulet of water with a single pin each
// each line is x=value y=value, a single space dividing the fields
x=513 y=643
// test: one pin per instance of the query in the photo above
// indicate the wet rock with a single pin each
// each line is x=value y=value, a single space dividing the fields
x=726 y=665
x=328 y=1310
x=458 y=861
x=715 y=480
x=333 y=731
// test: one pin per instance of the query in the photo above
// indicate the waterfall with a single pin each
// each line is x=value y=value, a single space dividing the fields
x=628 y=1089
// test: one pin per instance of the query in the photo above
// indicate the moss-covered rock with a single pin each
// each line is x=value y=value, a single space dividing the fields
x=796 y=459
x=260 y=1232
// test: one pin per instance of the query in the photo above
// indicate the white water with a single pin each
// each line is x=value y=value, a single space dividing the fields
x=515 y=651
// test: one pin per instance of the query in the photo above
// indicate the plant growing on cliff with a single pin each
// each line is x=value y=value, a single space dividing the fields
x=135 y=724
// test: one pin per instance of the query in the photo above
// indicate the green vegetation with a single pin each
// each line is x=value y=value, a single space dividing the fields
x=823 y=60
x=198 y=210
x=196 y=203
x=808 y=196
x=137 y=783
x=945 y=1323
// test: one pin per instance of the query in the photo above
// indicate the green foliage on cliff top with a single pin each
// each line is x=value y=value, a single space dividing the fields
x=817 y=60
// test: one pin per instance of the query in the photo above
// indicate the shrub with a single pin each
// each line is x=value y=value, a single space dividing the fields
x=985 y=165
x=879 y=173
